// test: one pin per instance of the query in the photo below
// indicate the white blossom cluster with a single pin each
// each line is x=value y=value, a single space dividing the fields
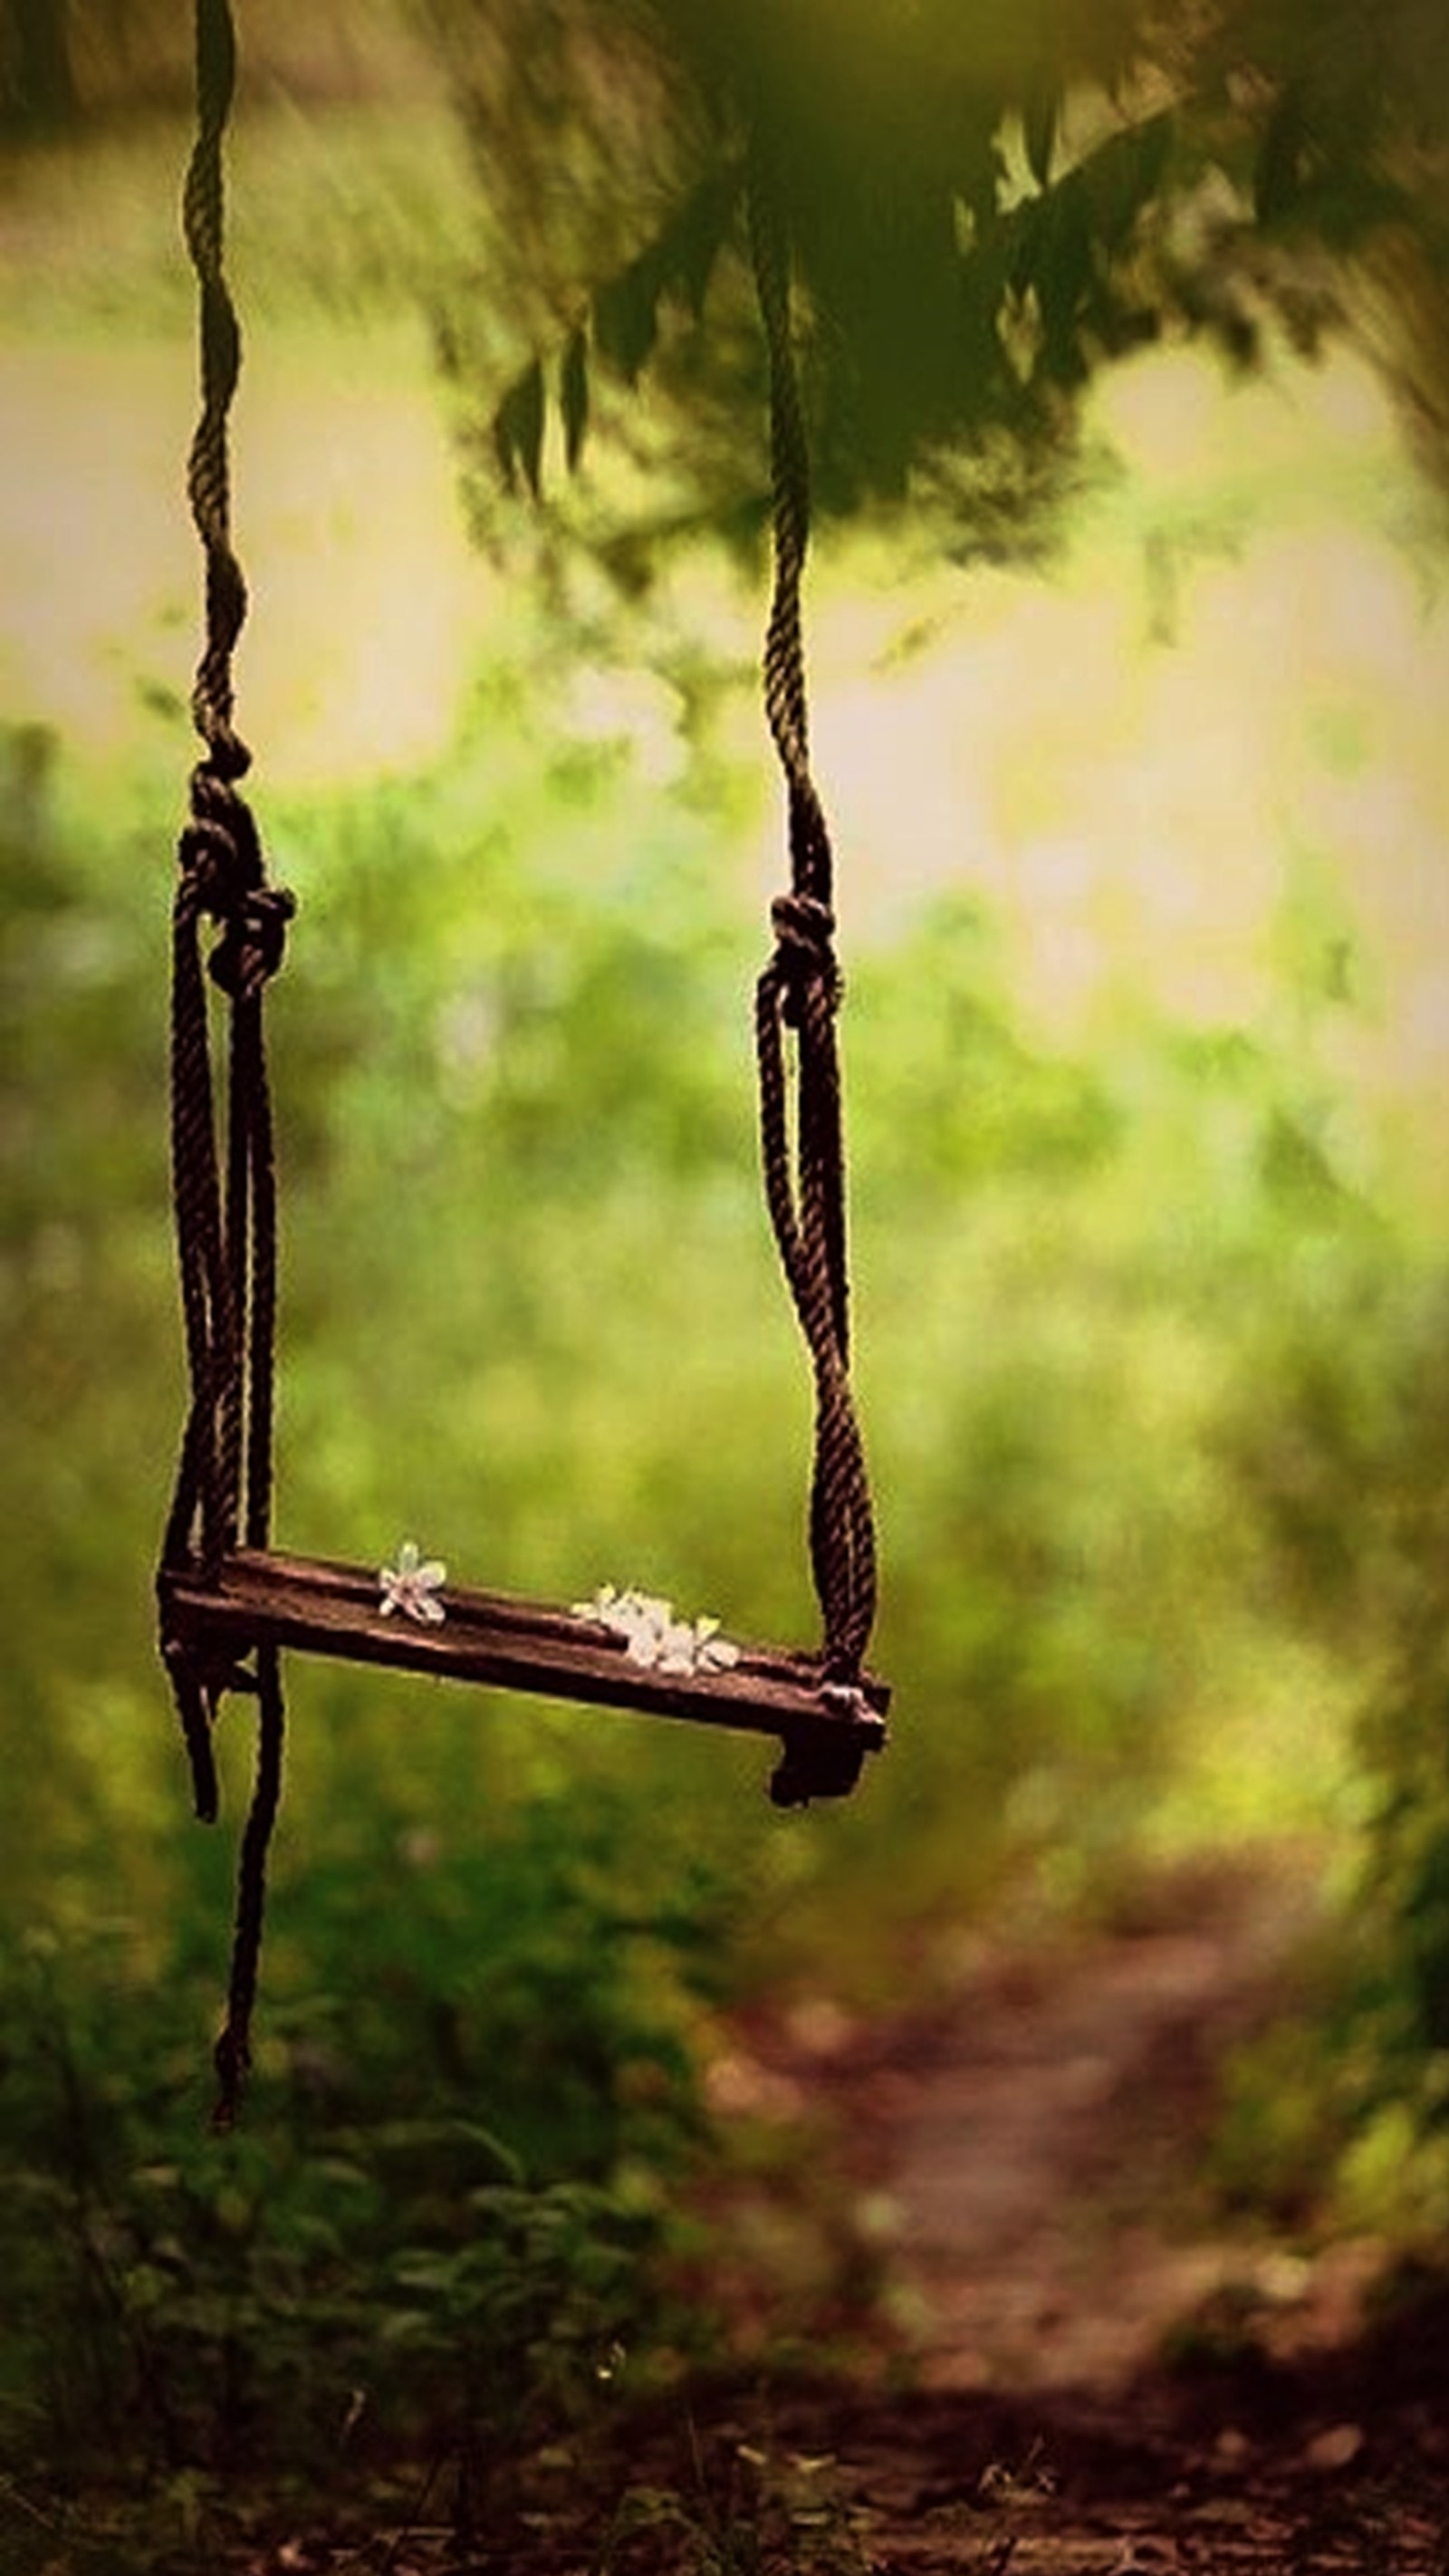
x=654 y=1637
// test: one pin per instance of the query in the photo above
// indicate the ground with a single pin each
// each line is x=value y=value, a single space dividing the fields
x=1106 y=2373
x=1059 y=2357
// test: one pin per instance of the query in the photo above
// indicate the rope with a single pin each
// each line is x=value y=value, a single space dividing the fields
x=208 y=478
x=225 y=1199
x=800 y=991
x=232 y=2056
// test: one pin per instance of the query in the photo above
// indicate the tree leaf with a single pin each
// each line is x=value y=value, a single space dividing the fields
x=1125 y=173
x=1039 y=131
x=1282 y=160
x=1061 y=264
x=694 y=241
x=626 y=316
x=518 y=430
x=573 y=395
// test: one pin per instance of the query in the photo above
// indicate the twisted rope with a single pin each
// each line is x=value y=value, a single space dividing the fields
x=232 y=2055
x=225 y=1201
x=799 y=991
x=208 y=476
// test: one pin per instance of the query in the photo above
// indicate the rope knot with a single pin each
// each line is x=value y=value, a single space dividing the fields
x=222 y=866
x=221 y=850
x=804 y=929
x=253 y=942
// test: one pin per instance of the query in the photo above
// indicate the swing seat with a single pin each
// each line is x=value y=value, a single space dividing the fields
x=209 y=1624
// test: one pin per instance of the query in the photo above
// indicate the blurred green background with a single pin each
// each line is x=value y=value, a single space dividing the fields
x=1141 y=841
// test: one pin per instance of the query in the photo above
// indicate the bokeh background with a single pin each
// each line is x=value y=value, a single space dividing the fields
x=1141 y=813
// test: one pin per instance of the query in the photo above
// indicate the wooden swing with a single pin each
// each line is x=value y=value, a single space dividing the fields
x=230 y=1604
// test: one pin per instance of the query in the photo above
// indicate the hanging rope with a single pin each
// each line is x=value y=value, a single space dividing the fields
x=800 y=991
x=225 y=1202
x=232 y=2054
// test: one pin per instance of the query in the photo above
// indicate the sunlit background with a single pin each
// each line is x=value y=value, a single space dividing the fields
x=1144 y=907
x=1212 y=734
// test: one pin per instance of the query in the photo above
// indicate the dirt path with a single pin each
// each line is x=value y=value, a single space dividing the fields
x=1040 y=2144
x=1031 y=2151
x=1019 y=2170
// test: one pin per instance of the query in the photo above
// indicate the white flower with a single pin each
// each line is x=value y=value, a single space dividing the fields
x=712 y=1652
x=602 y=1607
x=412 y=1585
x=652 y=1635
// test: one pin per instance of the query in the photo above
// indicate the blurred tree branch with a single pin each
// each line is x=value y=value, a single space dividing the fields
x=37 y=79
x=987 y=206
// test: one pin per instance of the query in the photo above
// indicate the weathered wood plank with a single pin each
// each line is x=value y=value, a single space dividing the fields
x=311 y=1606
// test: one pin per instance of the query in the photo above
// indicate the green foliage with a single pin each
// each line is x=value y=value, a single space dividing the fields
x=742 y=2515
x=1143 y=1381
x=471 y=2102
x=1396 y=2166
x=1156 y=1403
x=446 y=2214
x=1337 y=1440
x=985 y=211
x=1144 y=1385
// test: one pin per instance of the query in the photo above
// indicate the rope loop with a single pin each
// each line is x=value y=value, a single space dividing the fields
x=224 y=877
